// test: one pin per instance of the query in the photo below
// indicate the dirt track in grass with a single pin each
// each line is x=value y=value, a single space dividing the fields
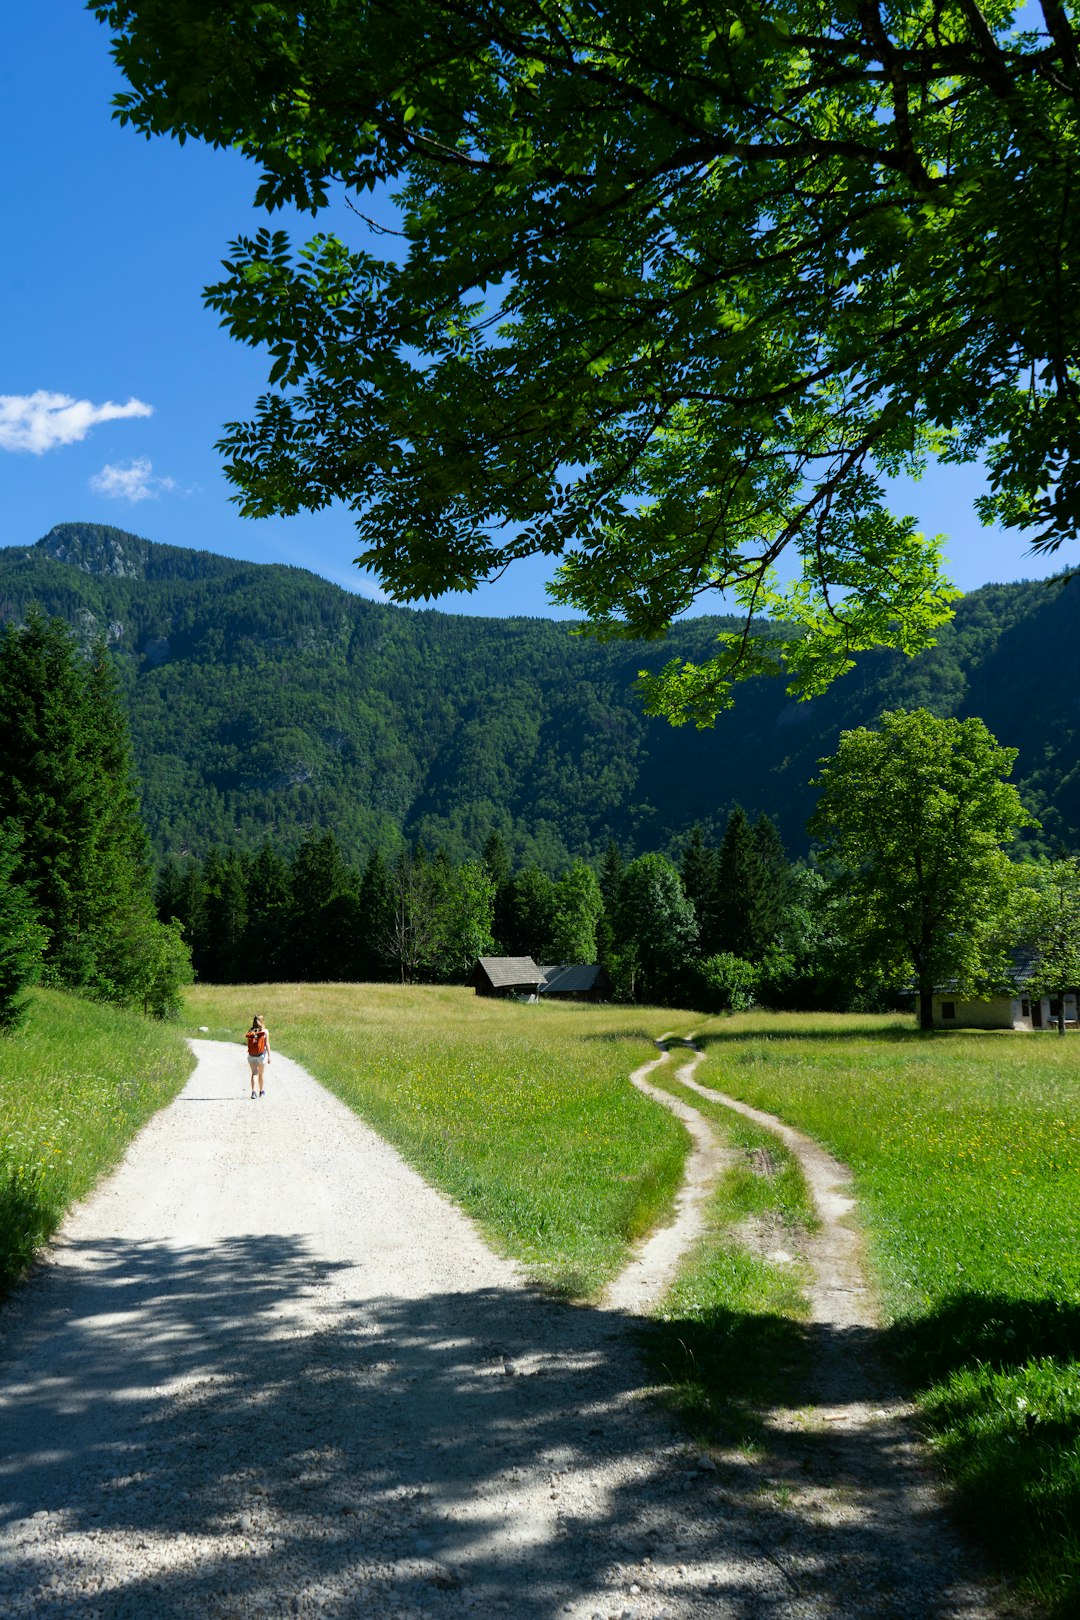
x=268 y=1371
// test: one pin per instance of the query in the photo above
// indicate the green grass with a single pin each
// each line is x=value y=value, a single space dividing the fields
x=522 y=1114
x=77 y=1080
x=727 y=1339
x=966 y=1154
x=965 y=1151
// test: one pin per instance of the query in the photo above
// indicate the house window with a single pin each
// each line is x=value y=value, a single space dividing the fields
x=948 y=1009
x=1025 y=1007
x=1055 y=1006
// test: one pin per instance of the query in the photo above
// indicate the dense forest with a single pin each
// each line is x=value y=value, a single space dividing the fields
x=267 y=704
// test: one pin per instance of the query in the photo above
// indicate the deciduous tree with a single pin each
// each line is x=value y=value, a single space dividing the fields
x=674 y=290
x=913 y=816
x=1051 y=928
x=656 y=926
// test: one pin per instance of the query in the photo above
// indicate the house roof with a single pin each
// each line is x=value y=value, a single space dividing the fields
x=570 y=979
x=505 y=972
x=1022 y=962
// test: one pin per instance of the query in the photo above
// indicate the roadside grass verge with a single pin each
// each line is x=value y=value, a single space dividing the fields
x=77 y=1081
x=522 y=1114
x=966 y=1155
x=728 y=1338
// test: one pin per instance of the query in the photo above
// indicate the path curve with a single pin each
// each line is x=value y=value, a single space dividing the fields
x=651 y=1271
x=267 y=1371
x=839 y=1296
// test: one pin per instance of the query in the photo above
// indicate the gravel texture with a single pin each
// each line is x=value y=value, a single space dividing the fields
x=267 y=1371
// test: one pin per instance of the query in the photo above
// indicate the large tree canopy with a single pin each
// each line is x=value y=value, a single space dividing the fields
x=912 y=819
x=677 y=286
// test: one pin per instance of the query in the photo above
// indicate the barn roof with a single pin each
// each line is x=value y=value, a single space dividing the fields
x=572 y=979
x=504 y=972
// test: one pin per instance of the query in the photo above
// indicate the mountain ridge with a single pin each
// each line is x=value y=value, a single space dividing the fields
x=265 y=700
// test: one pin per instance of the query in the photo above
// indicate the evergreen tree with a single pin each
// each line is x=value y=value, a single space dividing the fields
x=531 y=923
x=225 y=919
x=181 y=896
x=700 y=879
x=496 y=859
x=268 y=896
x=770 y=897
x=22 y=938
x=611 y=876
x=738 y=871
x=324 y=911
x=373 y=928
x=66 y=782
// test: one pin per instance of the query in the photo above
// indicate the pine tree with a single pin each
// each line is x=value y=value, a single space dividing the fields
x=738 y=870
x=268 y=897
x=607 y=928
x=225 y=919
x=324 y=913
x=496 y=859
x=66 y=782
x=374 y=919
x=22 y=938
x=769 y=902
x=700 y=879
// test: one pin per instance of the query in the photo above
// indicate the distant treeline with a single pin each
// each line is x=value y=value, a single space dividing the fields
x=733 y=922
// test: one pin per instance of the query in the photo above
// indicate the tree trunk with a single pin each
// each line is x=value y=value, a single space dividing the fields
x=926 y=1006
x=1061 y=1012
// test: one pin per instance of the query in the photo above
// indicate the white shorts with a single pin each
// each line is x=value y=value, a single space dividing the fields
x=256 y=1061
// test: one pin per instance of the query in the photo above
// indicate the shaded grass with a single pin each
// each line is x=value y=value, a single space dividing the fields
x=522 y=1114
x=77 y=1081
x=966 y=1155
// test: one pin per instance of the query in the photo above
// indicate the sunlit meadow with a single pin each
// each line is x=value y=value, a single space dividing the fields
x=76 y=1083
x=521 y=1113
x=966 y=1155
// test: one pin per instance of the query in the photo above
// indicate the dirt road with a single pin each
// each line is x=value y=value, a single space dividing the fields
x=268 y=1371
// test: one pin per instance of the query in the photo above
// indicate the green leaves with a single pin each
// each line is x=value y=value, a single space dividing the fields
x=730 y=272
x=913 y=817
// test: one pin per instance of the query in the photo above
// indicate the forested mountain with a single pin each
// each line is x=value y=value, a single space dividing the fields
x=264 y=700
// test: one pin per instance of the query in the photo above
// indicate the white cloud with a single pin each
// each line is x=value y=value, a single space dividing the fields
x=135 y=482
x=39 y=422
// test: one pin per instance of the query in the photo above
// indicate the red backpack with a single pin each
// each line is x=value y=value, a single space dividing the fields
x=256 y=1042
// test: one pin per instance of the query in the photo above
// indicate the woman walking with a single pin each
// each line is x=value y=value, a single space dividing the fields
x=258 y=1052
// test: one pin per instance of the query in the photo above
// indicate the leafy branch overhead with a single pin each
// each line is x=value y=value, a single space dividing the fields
x=677 y=287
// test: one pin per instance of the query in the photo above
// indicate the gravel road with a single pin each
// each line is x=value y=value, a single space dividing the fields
x=267 y=1371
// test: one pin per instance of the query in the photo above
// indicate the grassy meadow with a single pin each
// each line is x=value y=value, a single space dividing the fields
x=965 y=1150
x=77 y=1080
x=521 y=1114
x=966 y=1155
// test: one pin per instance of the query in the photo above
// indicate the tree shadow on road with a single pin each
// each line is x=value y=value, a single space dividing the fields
x=260 y=1432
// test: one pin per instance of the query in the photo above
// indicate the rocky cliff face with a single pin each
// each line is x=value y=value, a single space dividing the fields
x=96 y=548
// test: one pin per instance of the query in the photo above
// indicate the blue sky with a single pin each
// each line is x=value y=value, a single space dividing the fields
x=108 y=241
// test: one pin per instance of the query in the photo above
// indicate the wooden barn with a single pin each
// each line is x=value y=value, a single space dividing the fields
x=520 y=976
x=575 y=981
x=507 y=976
